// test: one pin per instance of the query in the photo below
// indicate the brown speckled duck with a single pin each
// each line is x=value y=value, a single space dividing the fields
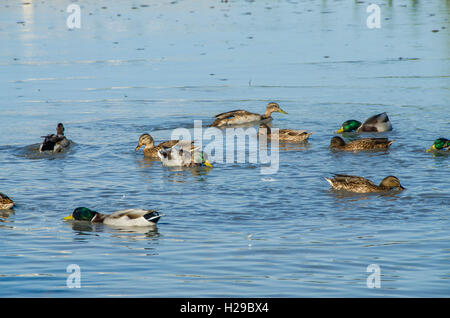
x=363 y=185
x=239 y=117
x=150 y=150
x=286 y=135
x=5 y=202
x=337 y=143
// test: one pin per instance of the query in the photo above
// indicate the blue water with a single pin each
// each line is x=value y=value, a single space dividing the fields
x=153 y=66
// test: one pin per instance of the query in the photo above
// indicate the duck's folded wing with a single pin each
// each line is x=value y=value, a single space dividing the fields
x=375 y=119
x=292 y=132
x=130 y=213
x=233 y=113
x=348 y=179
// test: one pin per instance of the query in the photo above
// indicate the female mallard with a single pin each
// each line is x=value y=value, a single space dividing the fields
x=287 y=135
x=237 y=117
x=362 y=185
x=5 y=202
x=338 y=143
x=440 y=144
x=130 y=217
x=150 y=149
x=55 y=143
x=376 y=123
x=183 y=155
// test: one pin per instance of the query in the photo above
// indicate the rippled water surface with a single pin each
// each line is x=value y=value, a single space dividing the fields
x=153 y=66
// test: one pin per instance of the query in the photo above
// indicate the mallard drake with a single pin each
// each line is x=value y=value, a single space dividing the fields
x=183 y=155
x=338 y=143
x=288 y=135
x=150 y=150
x=363 y=185
x=129 y=217
x=440 y=144
x=238 y=117
x=376 y=123
x=5 y=202
x=55 y=142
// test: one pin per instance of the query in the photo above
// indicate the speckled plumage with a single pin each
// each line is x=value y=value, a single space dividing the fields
x=150 y=150
x=286 y=135
x=363 y=185
x=55 y=142
x=337 y=143
x=5 y=202
x=239 y=117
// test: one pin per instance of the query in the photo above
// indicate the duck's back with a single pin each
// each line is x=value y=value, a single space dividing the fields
x=376 y=123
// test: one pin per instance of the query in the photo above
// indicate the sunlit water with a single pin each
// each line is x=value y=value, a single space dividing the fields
x=153 y=66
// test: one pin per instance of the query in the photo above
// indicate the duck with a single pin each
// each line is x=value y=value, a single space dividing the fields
x=376 y=123
x=129 y=217
x=287 y=135
x=183 y=155
x=150 y=150
x=440 y=144
x=5 y=202
x=238 y=117
x=363 y=185
x=337 y=143
x=55 y=142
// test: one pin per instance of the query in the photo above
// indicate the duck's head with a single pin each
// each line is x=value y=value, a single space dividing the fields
x=274 y=107
x=264 y=129
x=145 y=140
x=349 y=125
x=391 y=183
x=439 y=144
x=60 y=129
x=82 y=214
x=337 y=141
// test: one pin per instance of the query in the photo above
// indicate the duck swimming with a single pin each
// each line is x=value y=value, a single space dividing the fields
x=287 y=135
x=238 y=117
x=376 y=123
x=440 y=144
x=129 y=217
x=183 y=155
x=150 y=150
x=5 y=202
x=363 y=185
x=337 y=143
x=55 y=142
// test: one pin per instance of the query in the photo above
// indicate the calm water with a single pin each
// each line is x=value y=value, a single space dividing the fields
x=153 y=66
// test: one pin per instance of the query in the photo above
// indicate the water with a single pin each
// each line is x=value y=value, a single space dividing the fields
x=153 y=66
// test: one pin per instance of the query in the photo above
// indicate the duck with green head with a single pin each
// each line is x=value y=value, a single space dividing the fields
x=440 y=144
x=376 y=123
x=129 y=217
x=243 y=117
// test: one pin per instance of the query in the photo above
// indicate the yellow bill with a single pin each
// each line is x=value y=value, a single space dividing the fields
x=340 y=130
x=137 y=148
x=208 y=164
x=70 y=217
x=431 y=148
x=282 y=111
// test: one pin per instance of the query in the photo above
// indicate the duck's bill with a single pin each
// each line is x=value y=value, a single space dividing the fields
x=138 y=147
x=432 y=148
x=70 y=217
x=282 y=111
x=340 y=130
x=208 y=164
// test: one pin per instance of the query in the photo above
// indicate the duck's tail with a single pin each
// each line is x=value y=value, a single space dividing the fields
x=152 y=216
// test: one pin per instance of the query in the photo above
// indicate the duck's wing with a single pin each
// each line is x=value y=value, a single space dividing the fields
x=368 y=143
x=352 y=180
x=292 y=132
x=376 y=123
x=130 y=213
x=233 y=113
